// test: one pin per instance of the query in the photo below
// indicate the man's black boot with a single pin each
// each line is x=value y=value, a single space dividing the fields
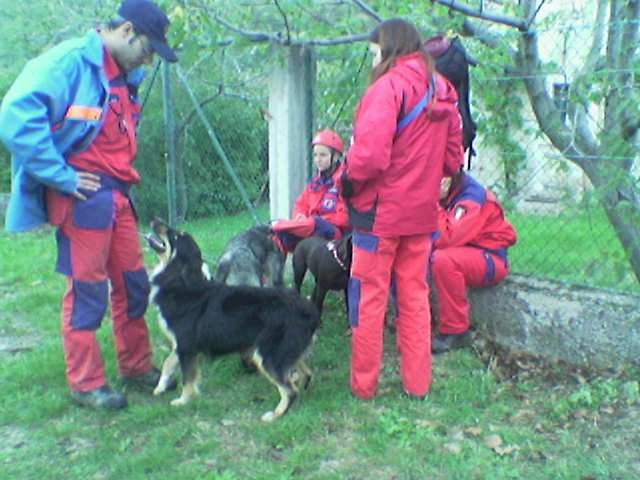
x=103 y=397
x=443 y=342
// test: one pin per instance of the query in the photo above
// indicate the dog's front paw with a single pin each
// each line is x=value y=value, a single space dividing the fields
x=269 y=417
x=163 y=385
x=159 y=390
x=179 y=402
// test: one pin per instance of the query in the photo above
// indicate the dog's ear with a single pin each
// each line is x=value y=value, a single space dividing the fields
x=190 y=259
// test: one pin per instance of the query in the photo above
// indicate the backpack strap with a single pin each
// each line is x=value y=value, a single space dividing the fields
x=415 y=111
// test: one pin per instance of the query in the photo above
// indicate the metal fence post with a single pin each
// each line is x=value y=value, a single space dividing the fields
x=170 y=132
x=218 y=147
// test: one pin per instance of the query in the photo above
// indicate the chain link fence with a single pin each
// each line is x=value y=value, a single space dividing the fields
x=563 y=232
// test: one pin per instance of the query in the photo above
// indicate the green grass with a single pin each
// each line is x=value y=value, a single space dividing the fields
x=579 y=247
x=551 y=426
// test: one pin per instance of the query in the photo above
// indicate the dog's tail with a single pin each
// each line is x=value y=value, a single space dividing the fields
x=283 y=346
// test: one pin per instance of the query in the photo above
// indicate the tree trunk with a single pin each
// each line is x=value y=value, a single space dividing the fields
x=622 y=205
x=601 y=163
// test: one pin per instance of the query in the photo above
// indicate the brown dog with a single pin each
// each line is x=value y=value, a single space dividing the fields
x=328 y=261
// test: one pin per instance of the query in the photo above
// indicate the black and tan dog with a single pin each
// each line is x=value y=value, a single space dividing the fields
x=251 y=258
x=328 y=261
x=200 y=315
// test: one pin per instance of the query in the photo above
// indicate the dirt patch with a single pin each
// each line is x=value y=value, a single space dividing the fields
x=13 y=440
x=16 y=336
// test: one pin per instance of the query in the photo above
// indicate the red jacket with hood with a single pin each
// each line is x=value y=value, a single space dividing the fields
x=396 y=177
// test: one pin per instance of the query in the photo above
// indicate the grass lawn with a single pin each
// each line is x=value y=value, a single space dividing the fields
x=579 y=247
x=477 y=423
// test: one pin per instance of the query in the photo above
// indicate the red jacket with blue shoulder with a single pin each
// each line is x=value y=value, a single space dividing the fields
x=396 y=173
x=472 y=216
x=322 y=197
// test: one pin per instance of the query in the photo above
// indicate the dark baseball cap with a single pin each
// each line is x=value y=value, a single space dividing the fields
x=147 y=18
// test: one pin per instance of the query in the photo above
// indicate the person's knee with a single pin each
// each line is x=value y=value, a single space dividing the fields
x=90 y=304
x=137 y=289
x=441 y=263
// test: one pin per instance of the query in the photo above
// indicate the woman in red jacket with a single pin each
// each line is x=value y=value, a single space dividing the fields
x=471 y=250
x=407 y=133
x=320 y=208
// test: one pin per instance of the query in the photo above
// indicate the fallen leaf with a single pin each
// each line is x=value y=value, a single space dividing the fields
x=452 y=447
x=523 y=413
x=426 y=423
x=506 y=450
x=202 y=425
x=456 y=435
x=492 y=441
x=581 y=413
x=608 y=410
x=474 y=431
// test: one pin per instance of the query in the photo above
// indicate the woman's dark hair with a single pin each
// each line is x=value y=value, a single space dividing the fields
x=396 y=37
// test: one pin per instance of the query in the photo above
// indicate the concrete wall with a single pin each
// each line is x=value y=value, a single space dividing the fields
x=290 y=128
x=583 y=326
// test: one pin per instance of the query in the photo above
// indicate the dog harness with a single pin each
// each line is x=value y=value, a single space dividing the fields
x=332 y=248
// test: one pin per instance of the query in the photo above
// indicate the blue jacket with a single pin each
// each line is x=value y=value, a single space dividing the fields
x=41 y=131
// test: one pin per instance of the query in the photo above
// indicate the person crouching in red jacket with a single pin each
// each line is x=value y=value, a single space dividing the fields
x=407 y=132
x=470 y=251
x=320 y=209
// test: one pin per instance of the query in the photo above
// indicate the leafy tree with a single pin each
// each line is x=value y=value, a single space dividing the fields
x=605 y=149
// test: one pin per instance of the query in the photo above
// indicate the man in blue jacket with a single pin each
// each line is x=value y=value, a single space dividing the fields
x=69 y=122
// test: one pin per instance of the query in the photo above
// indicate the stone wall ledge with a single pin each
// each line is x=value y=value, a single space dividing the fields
x=583 y=326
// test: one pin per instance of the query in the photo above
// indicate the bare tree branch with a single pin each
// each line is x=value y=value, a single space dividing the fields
x=495 y=18
x=577 y=107
x=614 y=47
x=484 y=35
x=614 y=41
x=595 y=52
x=544 y=109
x=630 y=121
x=251 y=36
x=277 y=38
x=360 y=37
x=368 y=10
x=286 y=22
x=535 y=14
x=630 y=36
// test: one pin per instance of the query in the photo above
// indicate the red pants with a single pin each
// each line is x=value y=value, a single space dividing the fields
x=453 y=270
x=98 y=242
x=374 y=261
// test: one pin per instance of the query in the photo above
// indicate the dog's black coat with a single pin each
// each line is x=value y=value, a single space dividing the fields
x=206 y=316
x=313 y=254
x=251 y=258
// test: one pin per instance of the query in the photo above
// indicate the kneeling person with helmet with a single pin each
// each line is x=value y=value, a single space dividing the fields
x=320 y=209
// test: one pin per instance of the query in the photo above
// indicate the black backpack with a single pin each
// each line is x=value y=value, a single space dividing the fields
x=452 y=61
